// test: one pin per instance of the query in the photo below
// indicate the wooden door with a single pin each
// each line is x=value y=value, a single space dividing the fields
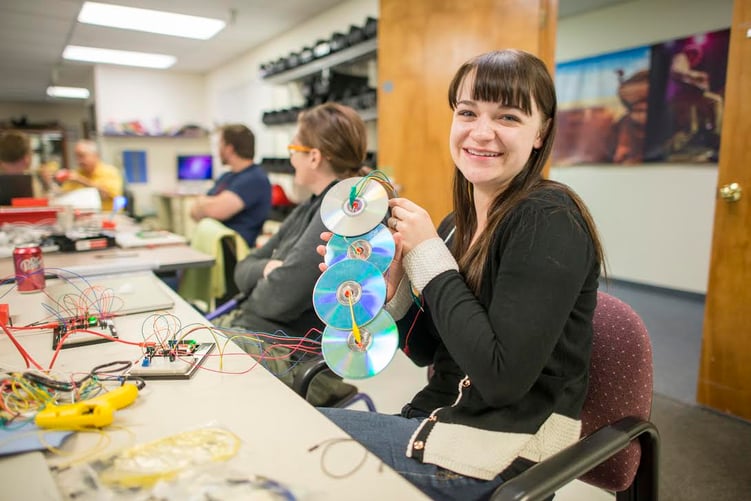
x=725 y=372
x=421 y=43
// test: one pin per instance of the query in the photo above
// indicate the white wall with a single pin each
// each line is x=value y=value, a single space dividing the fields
x=162 y=102
x=158 y=99
x=656 y=220
x=161 y=163
x=236 y=92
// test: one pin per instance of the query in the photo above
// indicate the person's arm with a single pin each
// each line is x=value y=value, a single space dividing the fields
x=417 y=336
x=109 y=182
x=110 y=185
x=220 y=207
x=250 y=270
x=546 y=259
x=287 y=291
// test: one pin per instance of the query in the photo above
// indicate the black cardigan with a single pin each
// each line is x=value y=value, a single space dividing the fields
x=511 y=366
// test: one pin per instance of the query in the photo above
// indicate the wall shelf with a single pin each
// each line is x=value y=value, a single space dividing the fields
x=367 y=115
x=349 y=55
x=154 y=136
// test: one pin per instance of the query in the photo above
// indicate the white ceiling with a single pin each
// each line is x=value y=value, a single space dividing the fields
x=33 y=34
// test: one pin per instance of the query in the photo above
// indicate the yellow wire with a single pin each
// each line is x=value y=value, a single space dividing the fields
x=168 y=456
x=355 y=329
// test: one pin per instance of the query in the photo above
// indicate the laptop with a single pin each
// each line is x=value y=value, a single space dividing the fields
x=148 y=239
x=108 y=294
x=15 y=186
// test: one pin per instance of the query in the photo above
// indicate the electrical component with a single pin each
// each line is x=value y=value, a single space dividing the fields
x=4 y=314
x=174 y=360
x=84 y=322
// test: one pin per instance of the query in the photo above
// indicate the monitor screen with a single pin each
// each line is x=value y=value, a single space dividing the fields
x=194 y=167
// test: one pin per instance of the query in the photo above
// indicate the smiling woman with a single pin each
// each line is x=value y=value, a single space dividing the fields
x=507 y=287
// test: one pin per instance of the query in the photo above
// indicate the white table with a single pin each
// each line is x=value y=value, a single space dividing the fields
x=277 y=426
x=116 y=260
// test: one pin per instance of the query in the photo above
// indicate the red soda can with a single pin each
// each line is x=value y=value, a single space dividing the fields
x=27 y=259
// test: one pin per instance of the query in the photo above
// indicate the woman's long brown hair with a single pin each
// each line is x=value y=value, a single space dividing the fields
x=514 y=78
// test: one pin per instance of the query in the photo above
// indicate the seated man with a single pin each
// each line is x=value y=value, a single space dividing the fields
x=240 y=198
x=15 y=158
x=92 y=173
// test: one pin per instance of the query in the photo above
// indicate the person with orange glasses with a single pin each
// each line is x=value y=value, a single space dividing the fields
x=330 y=144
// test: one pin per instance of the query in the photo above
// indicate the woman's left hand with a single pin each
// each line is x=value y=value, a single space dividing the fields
x=411 y=222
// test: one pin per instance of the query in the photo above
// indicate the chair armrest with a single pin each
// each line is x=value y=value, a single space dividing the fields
x=228 y=306
x=305 y=373
x=543 y=479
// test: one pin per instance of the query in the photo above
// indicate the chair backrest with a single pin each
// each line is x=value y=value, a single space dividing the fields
x=210 y=284
x=229 y=252
x=620 y=385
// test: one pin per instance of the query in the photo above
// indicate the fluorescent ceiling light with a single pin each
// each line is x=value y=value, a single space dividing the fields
x=69 y=92
x=152 y=21
x=124 y=57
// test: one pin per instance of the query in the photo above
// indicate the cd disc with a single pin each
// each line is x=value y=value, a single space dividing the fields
x=376 y=246
x=379 y=340
x=349 y=219
x=351 y=287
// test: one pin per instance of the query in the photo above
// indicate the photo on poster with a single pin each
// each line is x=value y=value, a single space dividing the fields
x=602 y=109
x=661 y=103
x=685 y=107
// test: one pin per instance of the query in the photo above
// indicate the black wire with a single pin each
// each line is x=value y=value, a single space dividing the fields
x=53 y=383
x=124 y=365
x=119 y=366
x=327 y=444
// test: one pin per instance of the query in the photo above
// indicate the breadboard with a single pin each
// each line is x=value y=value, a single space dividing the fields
x=181 y=368
x=80 y=338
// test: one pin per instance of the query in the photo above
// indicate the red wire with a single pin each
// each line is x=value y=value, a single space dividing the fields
x=25 y=354
x=409 y=332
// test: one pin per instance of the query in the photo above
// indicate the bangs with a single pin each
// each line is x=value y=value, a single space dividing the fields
x=495 y=78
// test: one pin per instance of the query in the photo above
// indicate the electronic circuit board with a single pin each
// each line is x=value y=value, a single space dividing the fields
x=175 y=362
x=82 y=331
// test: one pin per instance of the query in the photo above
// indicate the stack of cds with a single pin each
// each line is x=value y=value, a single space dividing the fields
x=360 y=338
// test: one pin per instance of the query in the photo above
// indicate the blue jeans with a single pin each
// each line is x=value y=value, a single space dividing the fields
x=387 y=437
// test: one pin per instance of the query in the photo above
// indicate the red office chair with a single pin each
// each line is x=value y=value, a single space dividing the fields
x=619 y=448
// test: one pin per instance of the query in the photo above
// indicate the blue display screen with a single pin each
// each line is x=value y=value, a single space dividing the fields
x=194 y=167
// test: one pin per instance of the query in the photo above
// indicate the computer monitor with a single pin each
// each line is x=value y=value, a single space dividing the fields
x=195 y=167
x=15 y=186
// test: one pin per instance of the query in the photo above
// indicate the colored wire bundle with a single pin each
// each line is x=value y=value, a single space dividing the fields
x=377 y=176
x=24 y=394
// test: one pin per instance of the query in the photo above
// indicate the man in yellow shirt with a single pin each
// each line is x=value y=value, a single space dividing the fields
x=93 y=173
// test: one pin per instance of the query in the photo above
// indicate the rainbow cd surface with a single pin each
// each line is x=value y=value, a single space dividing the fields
x=369 y=208
x=379 y=341
x=377 y=247
x=351 y=287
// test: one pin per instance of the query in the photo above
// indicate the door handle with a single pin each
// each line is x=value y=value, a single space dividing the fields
x=731 y=192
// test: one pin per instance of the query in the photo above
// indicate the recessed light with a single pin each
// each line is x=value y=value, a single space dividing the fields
x=152 y=21
x=68 y=92
x=123 y=57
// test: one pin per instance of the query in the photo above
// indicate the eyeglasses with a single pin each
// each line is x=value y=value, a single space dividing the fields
x=296 y=148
